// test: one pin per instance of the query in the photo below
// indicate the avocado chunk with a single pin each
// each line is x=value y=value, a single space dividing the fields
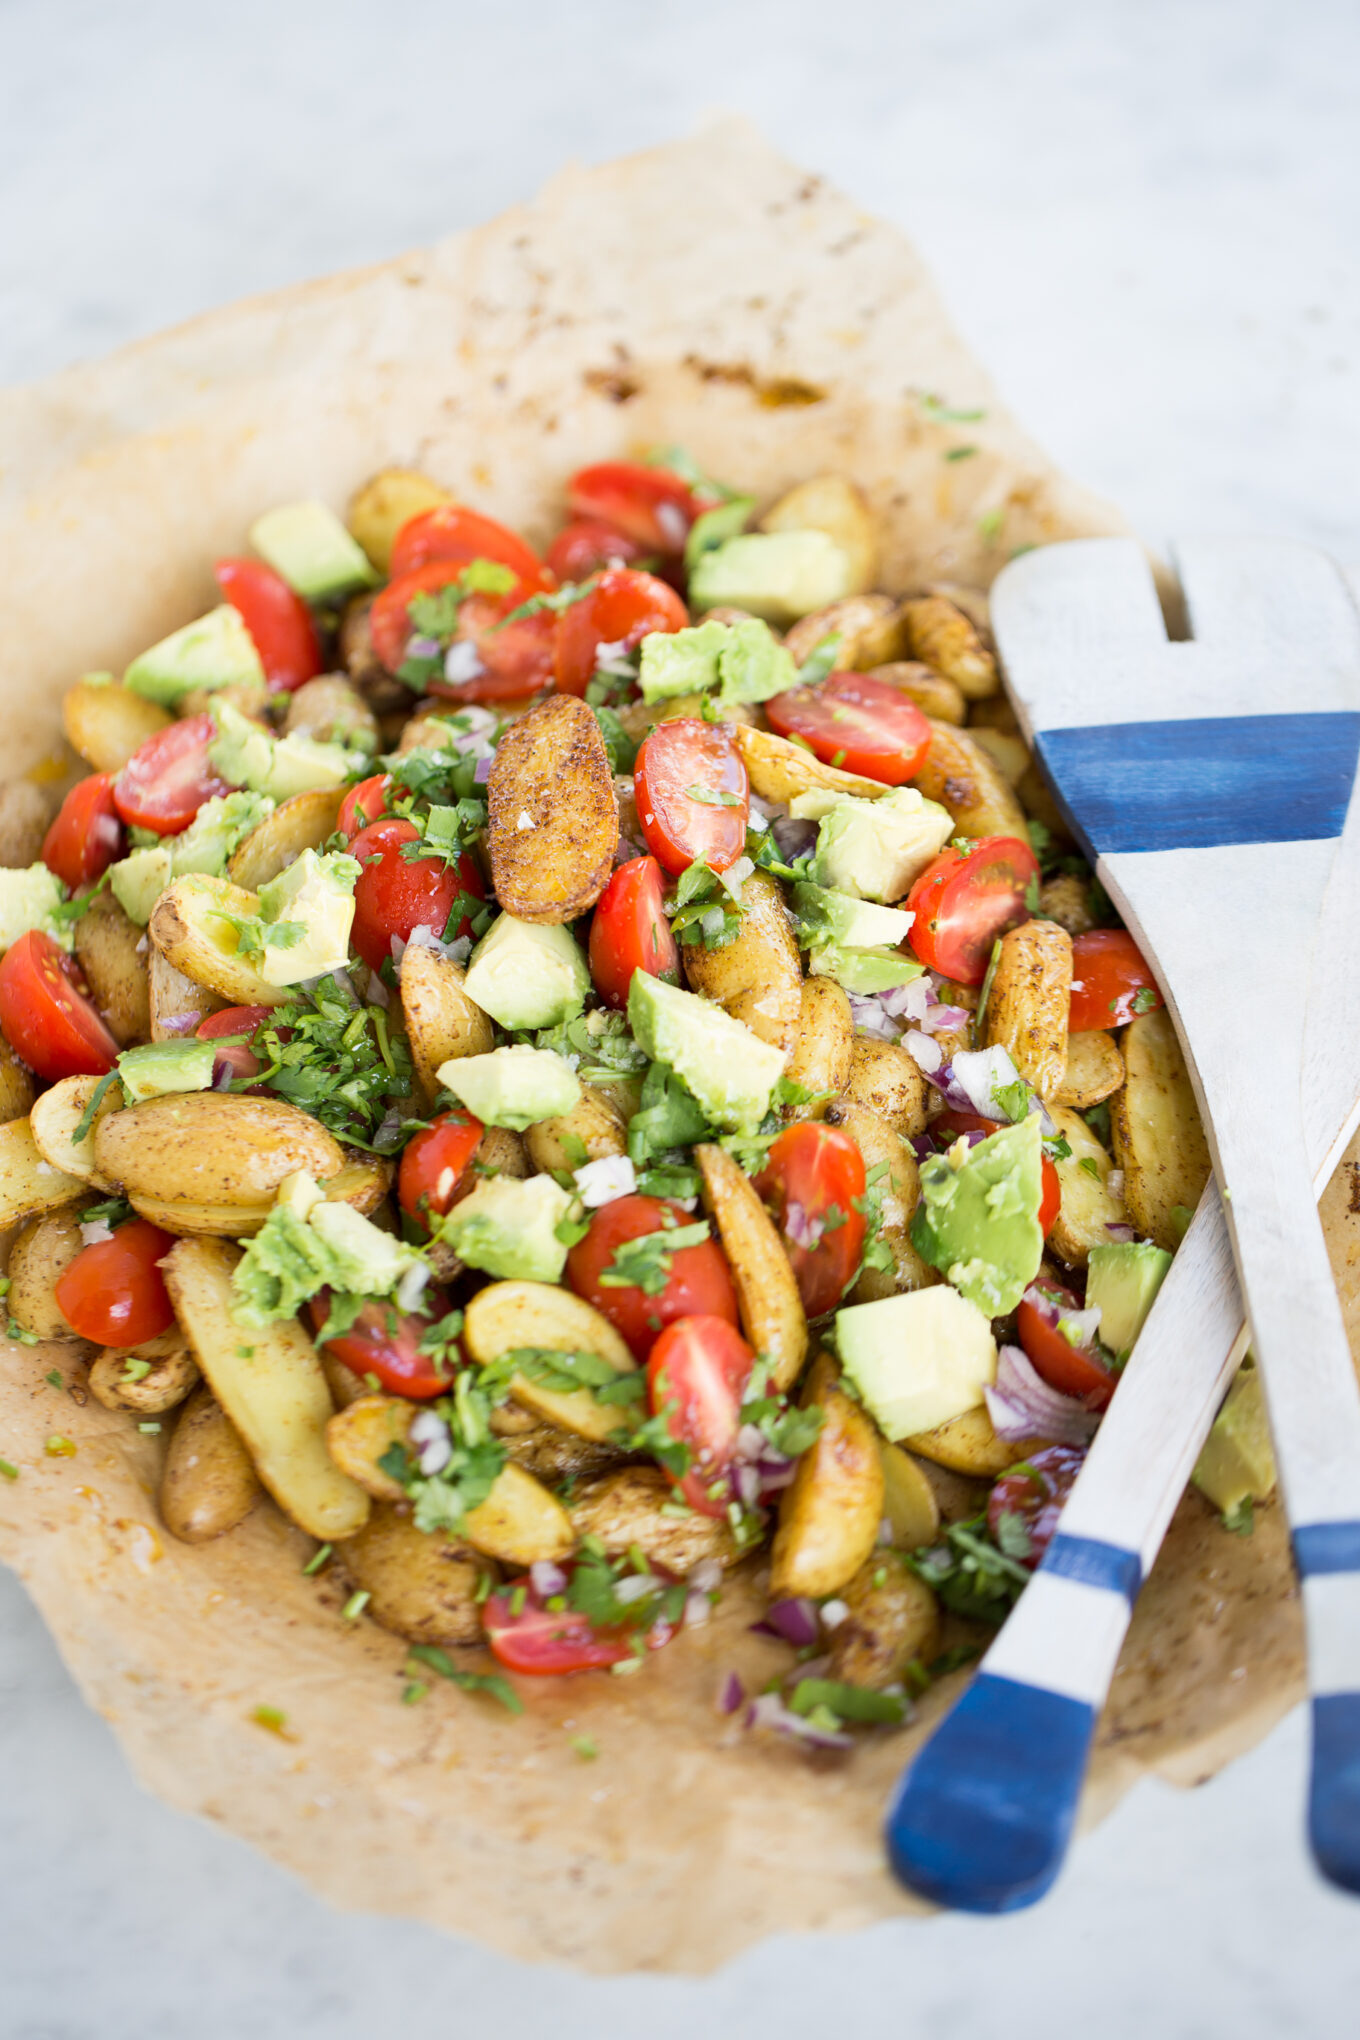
x=978 y=1221
x=731 y=1072
x=1238 y=1461
x=160 y=1067
x=139 y=879
x=248 y=755
x=863 y=971
x=527 y=976
x=308 y=545
x=29 y=897
x=219 y=827
x=514 y=1087
x=214 y=651
x=367 y=1260
x=672 y=662
x=306 y=914
x=877 y=849
x=307 y=1245
x=741 y=662
x=1123 y=1279
x=507 y=1225
x=777 y=575
x=919 y=1359
x=829 y=916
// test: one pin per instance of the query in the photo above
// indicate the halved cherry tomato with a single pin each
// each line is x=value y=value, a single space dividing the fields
x=527 y=1636
x=1111 y=981
x=364 y=803
x=511 y=659
x=699 y=1282
x=946 y=1127
x=964 y=899
x=630 y=932
x=277 y=618
x=693 y=795
x=587 y=547
x=1035 y=1492
x=434 y=1165
x=811 y=1180
x=449 y=532
x=395 y=894
x=238 y=1056
x=46 y=1015
x=385 y=1341
x=86 y=835
x=649 y=503
x=701 y=1365
x=166 y=781
x=1063 y=1366
x=623 y=607
x=858 y=722
x=1050 y=1196
x=113 y=1292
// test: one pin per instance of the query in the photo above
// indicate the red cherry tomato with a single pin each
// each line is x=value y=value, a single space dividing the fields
x=1063 y=1366
x=237 y=1056
x=622 y=608
x=434 y=1165
x=395 y=894
x=679 y=764
x=538 y=1640
x=1111 y=982
x=449 y=532
x=650 y=504
x=385 y=1341
x=113 y=1292
x=811 y=1181
x=165 y=782
x=277 y=618
x=702 y=1366
x=964 y=899
x=514 y=658
x=700 y=1283
x=588 y=547
x=364 y=803
x=1035 y=1492
x=630 y=932
x=86 y=835
x=47 y=1018
x=1050 y=1196
x=858 y=722
x=946 y=1127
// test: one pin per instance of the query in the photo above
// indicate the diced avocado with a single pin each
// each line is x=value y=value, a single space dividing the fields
x=316 y=896
x=1123 y=1279
x=307 y=1245
x=864 y=971
x=215 y=650
x=978 y=1221
x=729 y=1069
x=779 y=575
x=310 y=547
x=139 y=879
x=525 y=975
x=367 y=1260
x=712 y=527
x=753 y=665
x=856 y=924
x=675 y=662
x=220 y=827
x=877 y=849
x=164 y=1066
x=515 y=1087
x=1238 y=1460
x=739 y=662
x=507 y=1225
x=29 y=896
x=918 y=1359
x=300 y=1193
x=247 y=755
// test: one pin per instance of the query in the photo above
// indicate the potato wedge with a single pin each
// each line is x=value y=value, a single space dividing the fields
x=900 y=1192
x=271 y=1386
x=1027 y=1007
x=208 y=1483
x=909 y=1501
x=823 y=1047
x=969 y=1445
x=508 y=1316
x=177 y=1004
x=25 y=814
x=894 y=1620
x=885 y=1079
x=1010 y=755
x=831 y=503
x=40 y=1256
x=188 y=928
x=17 y=1090
x=959 y=774
x=180 y=1157
x=830 y=1512
x=941 y=635
x=553 y=819
x=624 y=1510
x=758 y=978
x=869 y=627
x=29 y=1185
x=378 y=510
x=360 y=1433
x=772 y=1315
x=345 y=1385
x=171 y=1375
x=364 y=1181
x=54 y=1119
x=593 y=1124
x=1158 y=1138
x=520 y=1521
x=112 y=952
x=421 y=1586
x=332 y=710
x=932 y=693
x=556 y=1455
x=441 y=1020
x=1094 y=1069
x=780 y=770
x=106 y=723
x=1067 y=900
x=302 y=823
x=1089 y=1206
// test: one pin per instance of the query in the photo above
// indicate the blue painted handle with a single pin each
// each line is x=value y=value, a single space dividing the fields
x=984 y=1814
x=1334 y=1789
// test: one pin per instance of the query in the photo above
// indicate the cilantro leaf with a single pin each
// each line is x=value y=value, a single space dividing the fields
x=492 y=1684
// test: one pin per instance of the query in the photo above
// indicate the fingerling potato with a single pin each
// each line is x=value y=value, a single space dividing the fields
x=40 y=1256
x=111 y=950
x=360 y=1433
x=961 y=777
x=831 y=503
x=55 y=1118
x=772 y=1314
x=177 y=1004
x=553 y=820
x=758 y=977
x=968 y=1444
x=780 y=770
x=332 y=711
x=210 y=1161
x=520 y=1522
x=593 y=1123
x=29 y=1184
x=1158 y=1138
x=933 y=694
x=17 y=1090
x=189 y=927
x=830 y=1512
x=378 y=510
x=909 y=1501
x=509 y=1317
x=1067 y=900
x=421 y=1585
x=885 y=1079
x=1089 y=1206
x=208 y=1484
x=625 y=1511
x=1093 y=1070
x=940 y=635
x=894 y=1619
x=441 y=1020
x=172 y=1373
x=823 y=1048
x=869 y=628
x=1028 y=1004
x=1008 y=753
x=304 y=822
x=900 y=1190
x=106 y=723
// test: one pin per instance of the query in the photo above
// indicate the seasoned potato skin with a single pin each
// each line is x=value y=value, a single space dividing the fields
x=174 y=1375
x=358 y=1435
x=520 y=1521
x=757 y=978
x=824 y=1046
x=441 y=1020
x=16 y=1085
x=208 y=1150
x=1093 y=1070
x=1030 y=995
x=1158 y=1137
x=177 y=1004
x=869 y=627
x=330 y=709
x=624 y=1508
x=29 y=1185
x=878 y=1142
x=208 y=1485
x=830 y=1513
x=940 y=635
x=40 y=1256
x=959 y=774
x=932 y=693
x=1088 y=1205
x=909 y=1501
x=421 y=1585
x=558 y=865
x=1066 y=899
x=885 y=1079
x=107 y=724
x=555 y=1455
x=772 y=1314
x=111 y=950
x=893 y=1619
x=593 y=1120
x=303 y=823
x=24 y=818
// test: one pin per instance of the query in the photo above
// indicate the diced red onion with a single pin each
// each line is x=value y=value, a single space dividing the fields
x=833 y=1614
x=481 y=771
x=696 y=1612
x=422 y=647
x=767 y=1710
x=924 y=1052
x=921 y=1145
x=601 y=1181
x=769 y=810
x=944 y=1019
x=461 y=661
x=1040 y=1300
x=634 y=1587
x=793 y=838
x=673 y=523
x=801 y=1226
x=978 y=1073
x=750 y=1442
x=547 y=1579
x=747 y=1480
x=1021 y=1405
x=731 y=1694
x=96 y=1230
x=1114 y=1182
x=1123 y=1234
x=411 y=1287
x=429 y=1434
x=1079 y=1327
x=378 y=994
x=794 y=1618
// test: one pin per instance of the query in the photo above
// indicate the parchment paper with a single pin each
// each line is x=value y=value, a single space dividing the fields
x=711 y=294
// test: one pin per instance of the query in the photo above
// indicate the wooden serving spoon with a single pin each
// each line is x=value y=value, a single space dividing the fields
x=1204 y=861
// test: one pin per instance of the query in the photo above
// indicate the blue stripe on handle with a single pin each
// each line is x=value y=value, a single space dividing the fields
x=1334 y=1789
x=984 y=1814
x=1213 y=780
x=1327 y=1548
x=1095 y=1564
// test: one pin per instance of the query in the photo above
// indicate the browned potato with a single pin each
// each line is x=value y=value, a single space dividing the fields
x=969 y=1445
x=345 y=1385
x=553 y=820
x=208 y=1485
x=824 y=1046
x=251 y=697
x=940 y=635
x=757 y=978
x=893 y=1621
x=421 y=1585
x=1010 y=755
x=378 y=510
x=331 y=710
x=303 y=823
x=556 y=1455
x=830 y=1512
x=441 y=1020
x=869 y=627
x=501 y=1152
x=995 y=713
x=358 y=1435
x=189 y=929
x=29 y=1185
x=520 y=1521
x=910 y=1505
x=932 y=693
x=24 y=818
x=901 y=1192
x=177 y=1004
x=594 y=1121
x=1027 y=1008
x=207 y=1161
x=1067 y=900
x=772 y=1315
x=106 y=723
x=40 y=1256
x=54 y=1121
x=1158 y=1138
x=959 y=774
x=1089 y=1205
x=1094 y=1069
x=111 y=950
x=510 y=1317
x=624 y=1509
x=887 y=1080
x=16 y=1085
x=147 y=1379
x=780 y=770
x=831 y=503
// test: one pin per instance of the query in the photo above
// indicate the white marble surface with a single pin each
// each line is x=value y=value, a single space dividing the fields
x=1146 y=218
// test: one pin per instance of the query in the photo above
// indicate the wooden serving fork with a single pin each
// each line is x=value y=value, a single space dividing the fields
x=1212 y=824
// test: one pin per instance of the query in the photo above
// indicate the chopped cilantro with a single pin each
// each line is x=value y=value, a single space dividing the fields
x=1145 y=1000
x=8 y=1471
x=645 y=1262
x=1091 y=1167
x=586 y=1747
x=1240 y=1518
x=1097 y=1117
x=848 y=1703
x=820 y=661
x=971 y=1574
x=334 y=1058
x=356 y=1604
x=91 y=1112
x=491 y=1683
x=705 y=906
x=317 y=1560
